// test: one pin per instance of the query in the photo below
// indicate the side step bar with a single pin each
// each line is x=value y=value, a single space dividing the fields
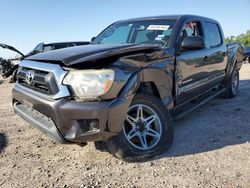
x=177 y=114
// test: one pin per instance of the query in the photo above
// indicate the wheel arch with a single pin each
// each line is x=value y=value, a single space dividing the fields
x=154 y=81
x=157 y=80
x=235 y=58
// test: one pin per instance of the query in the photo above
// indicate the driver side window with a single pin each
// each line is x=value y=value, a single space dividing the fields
x=190 y=29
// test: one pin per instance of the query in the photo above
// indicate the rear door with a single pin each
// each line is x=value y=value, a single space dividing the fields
x=216 y=59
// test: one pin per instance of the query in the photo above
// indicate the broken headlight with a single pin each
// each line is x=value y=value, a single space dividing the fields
x=88 y=84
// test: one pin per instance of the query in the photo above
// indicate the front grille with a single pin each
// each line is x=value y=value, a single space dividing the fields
x=42 y=81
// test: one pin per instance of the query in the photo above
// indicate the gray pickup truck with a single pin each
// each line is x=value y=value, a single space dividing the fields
x=125 y=89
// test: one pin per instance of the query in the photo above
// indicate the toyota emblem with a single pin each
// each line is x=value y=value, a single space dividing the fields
x=29 y=77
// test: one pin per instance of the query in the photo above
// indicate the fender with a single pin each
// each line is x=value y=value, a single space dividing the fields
x=160 y=78
x=121 y=105
x=142 y=68
x=235 y=54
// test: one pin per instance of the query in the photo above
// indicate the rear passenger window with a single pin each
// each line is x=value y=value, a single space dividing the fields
x=212 y=34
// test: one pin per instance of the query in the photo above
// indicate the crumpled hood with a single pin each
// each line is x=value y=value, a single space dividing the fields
x=80 y=54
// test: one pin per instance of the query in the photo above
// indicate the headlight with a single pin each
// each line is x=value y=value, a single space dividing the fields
x=90 y=83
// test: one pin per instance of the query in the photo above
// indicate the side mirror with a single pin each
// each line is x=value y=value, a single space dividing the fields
x=93 y=39
x=193 y=43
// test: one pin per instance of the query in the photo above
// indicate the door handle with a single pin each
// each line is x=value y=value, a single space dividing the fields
x=205 y=59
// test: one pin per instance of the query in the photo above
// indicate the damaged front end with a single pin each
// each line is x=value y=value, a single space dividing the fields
x=68 y=116
x=58 y=114
x=86 y=90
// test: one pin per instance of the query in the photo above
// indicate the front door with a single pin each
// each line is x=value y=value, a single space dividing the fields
x=191 y=68
x=199 y=70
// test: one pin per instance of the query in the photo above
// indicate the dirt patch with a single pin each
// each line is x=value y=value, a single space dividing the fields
x=211 y=149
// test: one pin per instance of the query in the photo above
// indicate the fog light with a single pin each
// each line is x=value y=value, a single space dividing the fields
x=94 y=125
x=88 y=125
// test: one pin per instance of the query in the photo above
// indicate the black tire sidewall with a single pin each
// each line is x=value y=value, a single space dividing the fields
x=229 y=93
x=232 y=92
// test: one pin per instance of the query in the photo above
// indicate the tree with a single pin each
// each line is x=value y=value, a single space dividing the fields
x=230 y=39
x=242 y=38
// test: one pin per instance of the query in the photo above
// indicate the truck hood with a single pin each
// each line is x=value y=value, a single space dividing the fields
x=93 y=52
x=5 y=46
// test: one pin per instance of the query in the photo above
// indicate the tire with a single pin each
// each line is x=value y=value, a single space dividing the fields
x=101 y=146
x=147 y=130
x=232 y=84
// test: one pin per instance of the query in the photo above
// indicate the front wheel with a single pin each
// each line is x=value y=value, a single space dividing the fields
x=147 y=130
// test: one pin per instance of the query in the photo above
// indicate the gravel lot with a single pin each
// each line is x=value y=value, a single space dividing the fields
x=211 y=149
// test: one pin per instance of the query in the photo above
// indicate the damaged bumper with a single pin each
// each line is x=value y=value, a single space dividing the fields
x=65 y=120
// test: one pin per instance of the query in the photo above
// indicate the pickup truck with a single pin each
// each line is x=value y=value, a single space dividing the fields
x=125 y=89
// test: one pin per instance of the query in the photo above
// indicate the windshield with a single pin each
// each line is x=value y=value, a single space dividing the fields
x=137 y=32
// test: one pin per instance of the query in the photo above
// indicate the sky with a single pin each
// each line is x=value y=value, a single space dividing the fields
x=24 y=24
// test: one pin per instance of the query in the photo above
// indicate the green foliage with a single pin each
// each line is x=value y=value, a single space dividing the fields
x=242 y=38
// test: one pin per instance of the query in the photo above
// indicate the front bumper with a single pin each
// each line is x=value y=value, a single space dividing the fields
x=65 y=120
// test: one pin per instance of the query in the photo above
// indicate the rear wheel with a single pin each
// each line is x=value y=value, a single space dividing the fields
x=232 y=85
x=147 y=130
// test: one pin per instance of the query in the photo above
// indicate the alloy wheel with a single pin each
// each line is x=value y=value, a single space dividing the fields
x=142 y=127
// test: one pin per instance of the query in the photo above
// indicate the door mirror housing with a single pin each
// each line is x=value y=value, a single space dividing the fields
x=93 y=39
x=193 y=43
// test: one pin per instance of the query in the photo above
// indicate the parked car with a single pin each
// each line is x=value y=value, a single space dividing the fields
x=55 y=46
x=8 y=67
x=125 y=89
x=247 y=54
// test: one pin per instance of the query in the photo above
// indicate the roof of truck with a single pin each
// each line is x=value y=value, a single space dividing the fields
x=174 y=17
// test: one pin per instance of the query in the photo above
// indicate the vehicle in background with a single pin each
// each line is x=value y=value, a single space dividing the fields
x=247 y=54
x=9 y=66
x=125 y=89
x=54 y=46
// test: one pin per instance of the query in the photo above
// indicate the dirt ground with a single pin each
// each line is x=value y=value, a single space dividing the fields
x=211 y=149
